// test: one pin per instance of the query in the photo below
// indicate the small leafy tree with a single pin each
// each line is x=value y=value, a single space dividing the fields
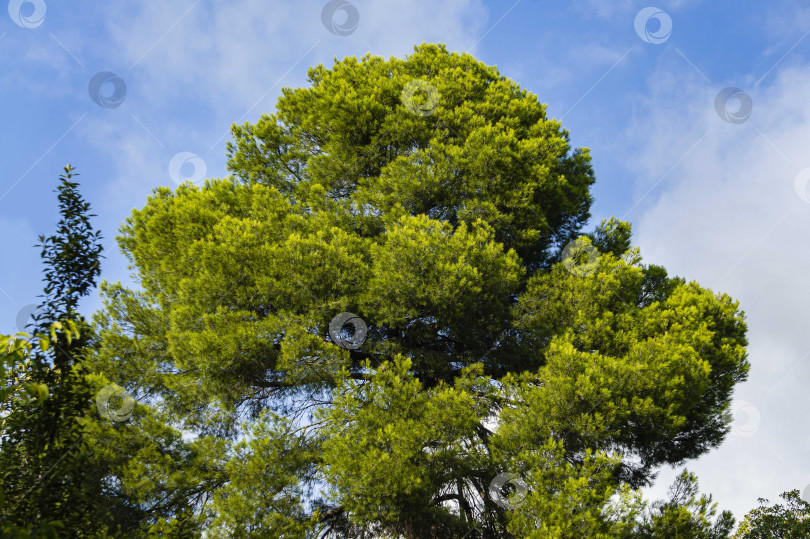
x=61 y=460
x=45 y=473
x=788 y=521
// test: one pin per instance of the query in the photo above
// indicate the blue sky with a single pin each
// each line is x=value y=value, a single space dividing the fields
x=719 y=202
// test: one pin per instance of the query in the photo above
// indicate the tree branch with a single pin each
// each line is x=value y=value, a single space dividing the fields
x=332 y=513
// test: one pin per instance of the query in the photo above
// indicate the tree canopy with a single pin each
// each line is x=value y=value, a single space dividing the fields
x=788 y=521
x=491 y=369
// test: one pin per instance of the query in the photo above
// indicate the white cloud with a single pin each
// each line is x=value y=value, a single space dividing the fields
x=727 y=215
x=198 y=68
x=237 y=51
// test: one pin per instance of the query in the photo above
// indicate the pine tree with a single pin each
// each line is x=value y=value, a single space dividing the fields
x=390 y=312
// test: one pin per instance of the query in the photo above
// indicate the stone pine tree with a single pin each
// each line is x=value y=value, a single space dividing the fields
x=496 y=372
x=45 y=472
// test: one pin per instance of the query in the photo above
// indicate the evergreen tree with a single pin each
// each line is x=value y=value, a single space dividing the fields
x=390 y=314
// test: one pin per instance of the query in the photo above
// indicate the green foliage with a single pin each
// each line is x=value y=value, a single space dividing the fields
x=488 y=351
x=15 y=367
x=685 y=514
x=487 y=151
x=652 y=381
x=72 y=256
x=60 y=459
x=612 y=236
x=47 y=474
x=44 y=530
x=53 y=478
x=568 y=501
x=390 y=447
x=791 y=520
x=266 y=481
x=153 y=476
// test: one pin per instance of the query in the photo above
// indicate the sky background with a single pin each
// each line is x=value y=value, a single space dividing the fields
x=716 y=191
